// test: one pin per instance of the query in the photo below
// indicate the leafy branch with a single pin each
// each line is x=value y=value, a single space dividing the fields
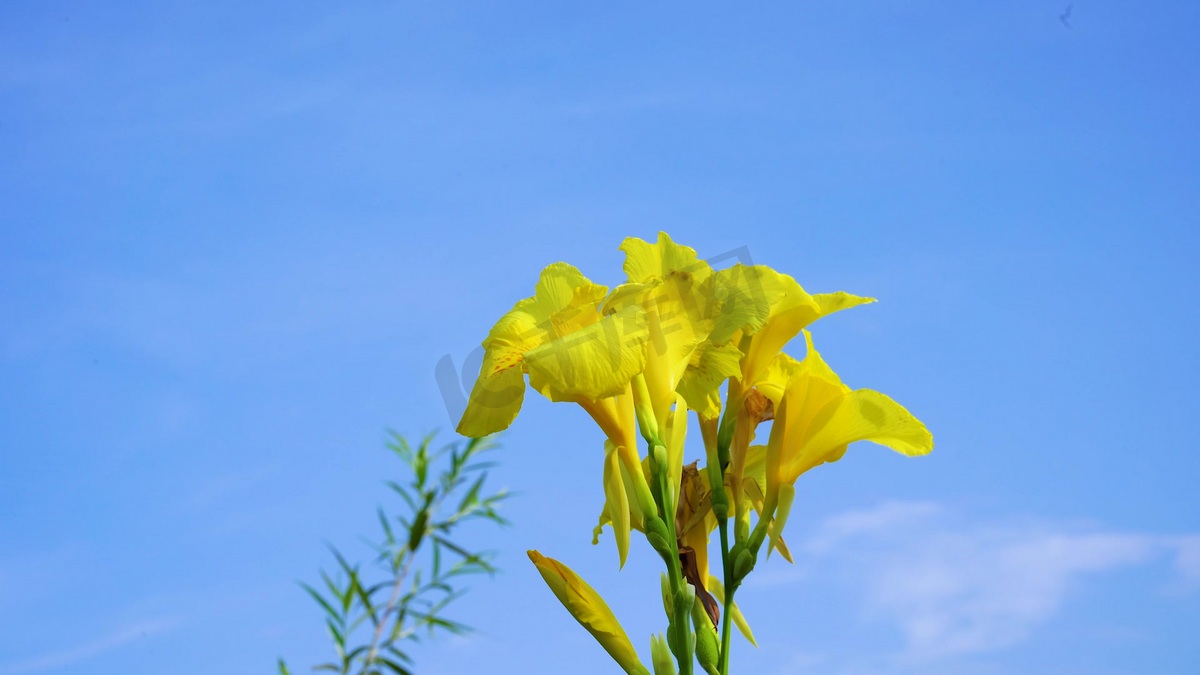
x=416 y=565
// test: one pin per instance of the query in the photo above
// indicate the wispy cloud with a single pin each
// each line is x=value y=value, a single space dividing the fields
x=956 y=588
x=85 y=651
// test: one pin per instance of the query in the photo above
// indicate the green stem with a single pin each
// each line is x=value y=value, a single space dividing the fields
x=726 y=613
x=717 y=466
x=680 y=617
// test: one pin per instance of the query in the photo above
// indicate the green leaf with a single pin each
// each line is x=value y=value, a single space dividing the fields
x=403 y=492
x=387 y=527
x=395 y=667
x=317 y=596
x=339 y=638
x=437 y=558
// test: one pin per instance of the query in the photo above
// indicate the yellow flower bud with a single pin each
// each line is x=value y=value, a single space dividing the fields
x=590 y=610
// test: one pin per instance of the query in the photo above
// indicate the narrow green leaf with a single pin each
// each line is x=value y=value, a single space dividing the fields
x=320 y=600
x=395 y=667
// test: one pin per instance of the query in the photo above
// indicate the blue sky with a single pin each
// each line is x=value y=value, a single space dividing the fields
x=237 y=238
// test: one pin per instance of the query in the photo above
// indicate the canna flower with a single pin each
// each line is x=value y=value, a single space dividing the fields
x=673 y=287
x=760 y=310
x=590 y=610
x=570 y=352
x=818 y=418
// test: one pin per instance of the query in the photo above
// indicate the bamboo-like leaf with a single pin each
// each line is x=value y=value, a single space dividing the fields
x=320 y=600
x=472 y=496
x=395 y=667
x=339 y=638
x=403 y=492
x=365 y=598
x=387 y=527
x=449 y=479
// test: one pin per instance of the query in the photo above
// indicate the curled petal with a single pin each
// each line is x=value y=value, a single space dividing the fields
x=709 y=366
x=616 y=504
x=861 y=415
x=494 y=403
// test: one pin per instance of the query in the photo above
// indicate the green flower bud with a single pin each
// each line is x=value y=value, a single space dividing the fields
x=666 y=593
x=708 y=650
x=657 y=535
x=743 y=563
x=660 y=457
x=660 y=654
x=685 y=600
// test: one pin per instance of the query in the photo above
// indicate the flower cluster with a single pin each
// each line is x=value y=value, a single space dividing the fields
x=637 y=359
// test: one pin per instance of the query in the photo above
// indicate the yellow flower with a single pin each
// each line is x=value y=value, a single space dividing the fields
x=590 y=610
x=760 y=310
x=673 y=287
x=818 y=417
x=571 y=352
x=763 y=310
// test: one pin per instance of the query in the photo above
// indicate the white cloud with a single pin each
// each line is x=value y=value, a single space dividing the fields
x=955 y=588
x=91 y=649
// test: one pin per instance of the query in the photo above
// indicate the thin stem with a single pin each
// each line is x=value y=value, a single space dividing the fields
x=679 y=618
x=411 y=553
x=373 y=652
x=726 y=618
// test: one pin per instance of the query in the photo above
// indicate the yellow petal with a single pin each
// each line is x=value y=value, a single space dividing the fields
x=672 y=285
x=697 y=539
x=755 y=468
x=862 y=415
x=590 y=610
x=646 y=262
x=616 y=504
x=709 y=366
x=836 y=302
x=564 y=301
x=561 y=285
x=813 y=389
x=746 y=296
x=777 y=376
x=676 y=434
x=718 y=591
x=819 y=417
x=595 y=362
x=770 y=308
x=787 y=494
x=494 y=403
